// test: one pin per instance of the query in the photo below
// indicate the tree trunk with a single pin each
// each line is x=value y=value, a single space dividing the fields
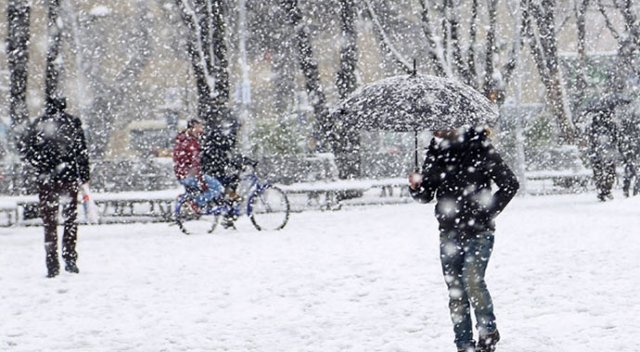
x=544 y=50
x=491 y=85
x=471 y=51
x=208 y=50
x=55 y=63
x=18 y=13
x=219 y=46
x=434 y=50
x=346 y=80
x=456 y=50
x=323 y=128
x=347 y=143
x=196 y=49
x=581 y=65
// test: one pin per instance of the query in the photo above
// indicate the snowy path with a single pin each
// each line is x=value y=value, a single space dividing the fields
x=564 y=278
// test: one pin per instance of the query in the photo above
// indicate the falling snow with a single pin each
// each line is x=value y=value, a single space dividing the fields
x=335 y=100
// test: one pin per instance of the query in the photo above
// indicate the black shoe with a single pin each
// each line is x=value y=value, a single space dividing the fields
x=228 y=223
x=468 y=349
x=53 y=269
x=488 y=343
x=53 y=266
x=71 y=267
x=53 y=272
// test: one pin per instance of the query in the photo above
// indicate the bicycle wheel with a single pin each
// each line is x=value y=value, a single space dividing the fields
x=190 y=220
x=269 y=209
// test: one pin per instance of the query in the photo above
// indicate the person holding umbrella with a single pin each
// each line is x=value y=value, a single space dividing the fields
x=459 y=167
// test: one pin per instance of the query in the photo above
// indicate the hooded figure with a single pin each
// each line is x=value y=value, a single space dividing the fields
x=458 y=170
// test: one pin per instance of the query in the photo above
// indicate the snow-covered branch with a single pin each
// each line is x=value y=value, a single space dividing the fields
x=404 y=64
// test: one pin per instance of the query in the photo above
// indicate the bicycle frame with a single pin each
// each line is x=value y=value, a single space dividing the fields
x=190 y=215
x=254 y=187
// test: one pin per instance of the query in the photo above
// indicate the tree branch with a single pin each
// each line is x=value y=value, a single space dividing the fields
x=607 y=21
x=385 y=42
x=434 y=50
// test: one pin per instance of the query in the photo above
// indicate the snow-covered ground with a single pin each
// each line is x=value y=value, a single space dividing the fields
x=564 y=278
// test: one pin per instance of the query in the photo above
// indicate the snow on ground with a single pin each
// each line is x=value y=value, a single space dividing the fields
x=564 y=278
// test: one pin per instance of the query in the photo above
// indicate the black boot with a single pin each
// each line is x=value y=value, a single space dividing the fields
x=488 y=342
x=53 y=266
x=71 y=267
x=468 y=349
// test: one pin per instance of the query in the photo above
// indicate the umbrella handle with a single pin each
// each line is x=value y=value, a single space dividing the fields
x=415 y=151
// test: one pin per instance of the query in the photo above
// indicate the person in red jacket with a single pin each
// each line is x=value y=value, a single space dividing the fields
x=186 y=165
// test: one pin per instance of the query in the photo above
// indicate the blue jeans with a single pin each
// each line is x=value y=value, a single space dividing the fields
x=464 y=261
x=214 y=188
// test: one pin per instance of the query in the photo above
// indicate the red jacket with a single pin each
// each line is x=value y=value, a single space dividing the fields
x=186 y=156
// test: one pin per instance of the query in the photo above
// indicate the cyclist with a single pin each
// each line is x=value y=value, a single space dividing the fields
x=186 y=159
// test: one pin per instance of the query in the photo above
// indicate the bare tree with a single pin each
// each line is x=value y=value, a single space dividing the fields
x=540 y=32
x=55 y=63
x=581 y=80
x=347 y=141
x=18 y=13
x=628 y=38
x=346 y=80
x=323 y=129
x=385 y=42
x=208 y=51
x=450 y=55
x=434 y=47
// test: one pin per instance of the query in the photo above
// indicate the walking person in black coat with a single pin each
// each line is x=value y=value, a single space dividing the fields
x=603 y=151
x=629 y=146
x=55 y=146
x=458 y=170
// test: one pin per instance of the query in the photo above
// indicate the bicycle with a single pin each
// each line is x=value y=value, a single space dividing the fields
x=265 y=204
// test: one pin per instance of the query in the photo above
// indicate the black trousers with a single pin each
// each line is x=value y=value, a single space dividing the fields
x=52 y=194
x=604 y=174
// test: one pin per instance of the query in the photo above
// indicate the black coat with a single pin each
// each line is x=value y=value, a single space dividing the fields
x=459 y=174
x=217 y=155
x=55 y=146
x=603 y=137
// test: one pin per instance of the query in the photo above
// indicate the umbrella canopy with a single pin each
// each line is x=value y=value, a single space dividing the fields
x=414 y=102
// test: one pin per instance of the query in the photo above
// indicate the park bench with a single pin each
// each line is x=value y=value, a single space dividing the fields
x=558 y=181
x=331 y=195
x=157 y=206
x=122 y=207
x=8 y=212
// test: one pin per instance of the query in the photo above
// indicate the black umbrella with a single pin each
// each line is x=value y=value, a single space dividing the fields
x=411 y=103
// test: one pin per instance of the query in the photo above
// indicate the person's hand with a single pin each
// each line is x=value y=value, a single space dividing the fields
x=415 y=180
